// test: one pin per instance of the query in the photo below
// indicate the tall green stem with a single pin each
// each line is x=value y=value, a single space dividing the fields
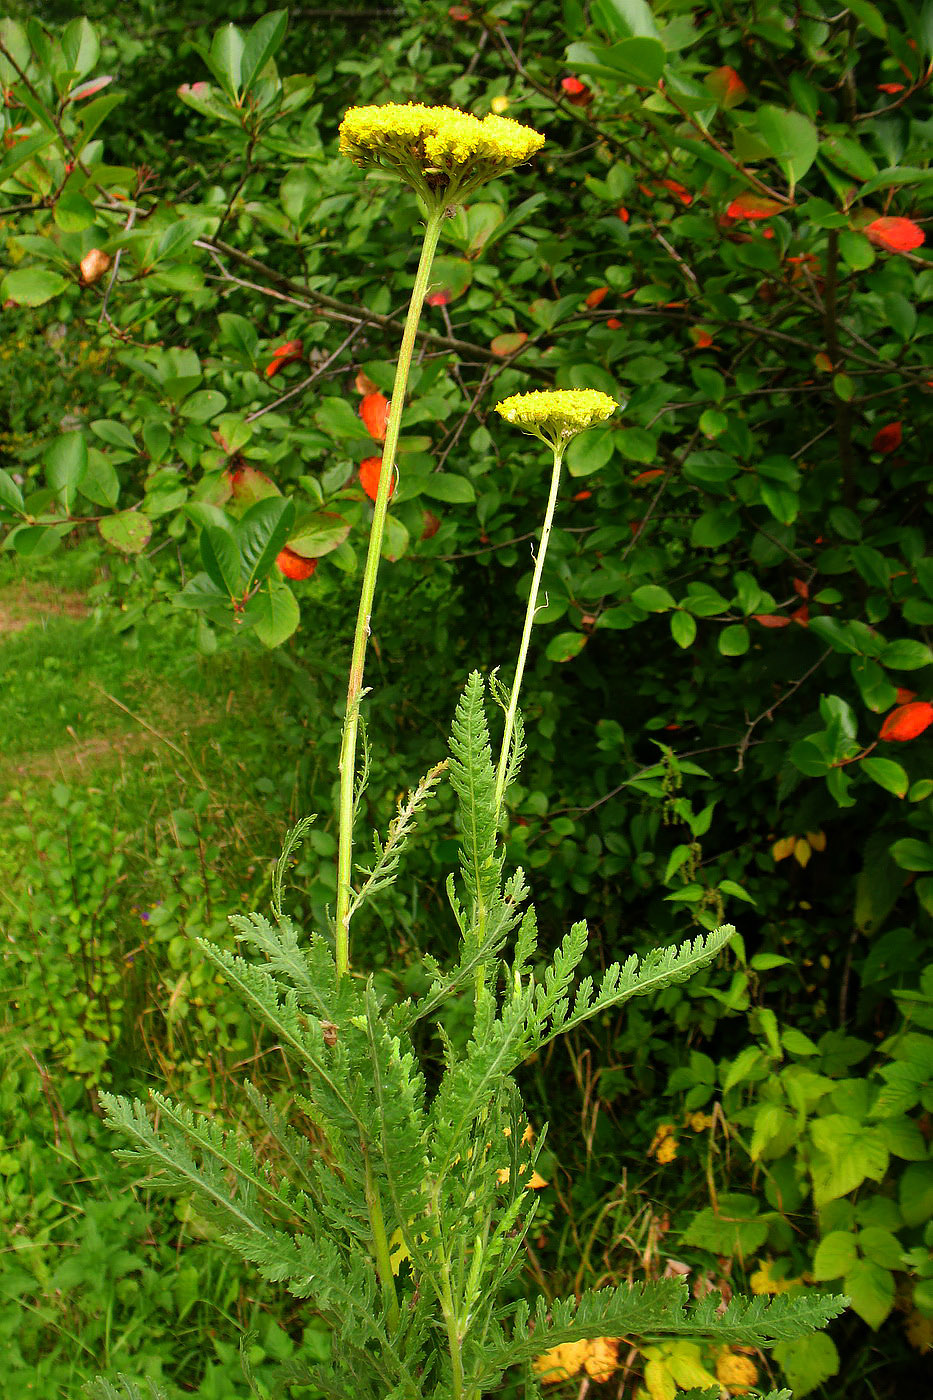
x=526 y=632
x=361 y=636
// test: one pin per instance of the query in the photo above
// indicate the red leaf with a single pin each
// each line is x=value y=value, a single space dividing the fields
x=286 y=354
x=907 y=721
x=681 y=191
x=888 y=438
x=582 y=495
x=623 y=214
x=370 y=473
x=650 y=475
x=801 y=588
x=750 y=205
x=702 y=339
x=771 y=620
x=801 y=615
x=374 y=411
x=438 y=298
x=460 y=12
x=597 y=295
x=896 y=235
x=431 y=524
x=890 y=87
x=294 y=565
x=614 y=323
x=904 y=696
x=578 y=93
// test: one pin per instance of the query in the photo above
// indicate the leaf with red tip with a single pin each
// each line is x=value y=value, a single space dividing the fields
x=907 y=721
x=895 y=234
x=507 y=344
x=701 y=338
x=597 y=295
x=374 y=411
x=318 y=534
x=576 y=92
x=888 y=438
x=726 y=86
x=370 y=473
x=750 y=205
x=89 y=88
x=363 y=384
x=247 y=486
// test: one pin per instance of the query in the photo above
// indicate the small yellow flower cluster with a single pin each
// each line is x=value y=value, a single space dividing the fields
x=699 y=1122
x=557 y=414
x=441 y=151
x=664 y=1143
x=599 y=1358
x=739 y=1373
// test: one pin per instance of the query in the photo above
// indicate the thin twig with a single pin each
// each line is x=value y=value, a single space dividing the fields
x=769 y=712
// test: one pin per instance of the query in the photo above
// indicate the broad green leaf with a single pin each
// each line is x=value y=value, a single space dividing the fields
x=683 y=628
x=887 y=774
x=715 y=528
x=65 y=465
x=339 y=420
x=10 y=495
x=318 y=534
x=261 y=533
x=850 y=156
x=73 y=212
x=445 y=486
x=396 y=539
x=129 y=531
x=31 y=286
x=637 y=444
x=639 y=60
x=835 y=1255
x=35 y=541
x=913 y=854
x=100 y=482
x=906 y=655
x=807 y=1362
x=220 y=555
x=203 y=405
x=870 y=1289
x=80 y=46
x=790 y=137
x=625 y=18
x=869 y=15
x=653 y=598
x=589 y=452
x=227 y=57
x=277 y=612
x=262 y=42
x=565 y=646
x=114 y=434
x=734 y=640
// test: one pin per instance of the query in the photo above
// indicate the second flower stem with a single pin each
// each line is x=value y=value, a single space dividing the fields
x=530 y=611
x=351 y=721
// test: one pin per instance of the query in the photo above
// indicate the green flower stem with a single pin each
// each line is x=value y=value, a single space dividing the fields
x=351 y=721
x=526 y=632
x=381 y=1246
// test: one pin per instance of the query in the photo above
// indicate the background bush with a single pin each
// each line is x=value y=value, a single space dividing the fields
x=739 y=591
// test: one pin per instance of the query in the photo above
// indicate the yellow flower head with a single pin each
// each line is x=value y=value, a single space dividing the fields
x=443 y=153
x=556 y=415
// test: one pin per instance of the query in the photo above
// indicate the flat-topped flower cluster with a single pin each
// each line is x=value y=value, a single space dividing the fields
x=440 y=151
x=557 y=414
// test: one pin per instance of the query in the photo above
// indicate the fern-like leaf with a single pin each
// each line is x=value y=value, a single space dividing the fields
x=383 y=871
x=473 y=779
x=293 y=839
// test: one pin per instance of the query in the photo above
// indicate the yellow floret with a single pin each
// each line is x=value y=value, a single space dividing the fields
x=557 y=413
x=737 y=1372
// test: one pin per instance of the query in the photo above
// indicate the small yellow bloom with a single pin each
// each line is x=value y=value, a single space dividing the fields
x=699 y=1122
x=560 y=1363
x=556 y=415
x=602 y=1358
x=667 y=1151
x=443 y=153
x=739 y=1373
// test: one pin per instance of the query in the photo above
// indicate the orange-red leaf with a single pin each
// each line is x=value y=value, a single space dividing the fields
x=801 y=587
x=363 y=384
x=370 y=472
x=440 y=298
x=374 y=411
x=771 y=619
x=507 y=344
x=890 y=87
x=904 y=696
x=701 y=338
x=294 y=565
x=285 y=355
x=680 y=191
x=888 y=438
x=895 y=234
x=597 y=295
x=650 y=475
x=614 y=324
x=907 y=721
x=623 y=214
x=750 y=205
x=582 y=495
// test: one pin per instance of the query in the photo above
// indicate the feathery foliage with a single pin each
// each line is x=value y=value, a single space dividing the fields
x=403 y=1222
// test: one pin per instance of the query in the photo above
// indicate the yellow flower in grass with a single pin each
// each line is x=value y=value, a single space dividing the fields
x=443 y=153
x=557 y=415
x=664 y=1144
